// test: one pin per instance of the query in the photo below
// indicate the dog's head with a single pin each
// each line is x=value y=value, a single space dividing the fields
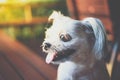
x=73 y=40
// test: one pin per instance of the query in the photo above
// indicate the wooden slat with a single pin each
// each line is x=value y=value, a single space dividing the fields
x=25 y=69
x=6 y=71
x=94 y=6
x=1 y=77
x=37 y=20
x=14 y=48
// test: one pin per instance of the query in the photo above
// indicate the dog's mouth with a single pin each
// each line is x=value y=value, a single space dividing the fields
x=59 y=55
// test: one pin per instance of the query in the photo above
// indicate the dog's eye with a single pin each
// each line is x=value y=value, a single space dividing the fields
x=65 y=37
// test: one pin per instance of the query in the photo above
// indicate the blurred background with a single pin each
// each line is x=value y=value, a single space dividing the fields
x=22 y=27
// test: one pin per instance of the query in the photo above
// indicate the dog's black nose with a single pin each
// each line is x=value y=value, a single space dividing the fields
x=47 y=46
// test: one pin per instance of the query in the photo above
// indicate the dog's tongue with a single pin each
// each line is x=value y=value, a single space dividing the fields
x=50 y=57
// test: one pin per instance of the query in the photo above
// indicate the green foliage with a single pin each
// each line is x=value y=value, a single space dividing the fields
x=30 y=31
x=46 y=8
x=39 y=31
x=10 y=31
x=26 y=32
x=8 y=13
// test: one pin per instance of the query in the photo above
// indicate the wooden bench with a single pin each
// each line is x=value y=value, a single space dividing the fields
x=17 y=62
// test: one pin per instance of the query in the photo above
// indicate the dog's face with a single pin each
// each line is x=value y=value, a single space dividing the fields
x=68 y=40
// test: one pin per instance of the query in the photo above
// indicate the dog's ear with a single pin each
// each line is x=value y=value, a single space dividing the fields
x=55 y=15
x=100 y=45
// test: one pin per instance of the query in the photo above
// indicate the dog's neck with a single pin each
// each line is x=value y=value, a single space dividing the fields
x=71 y=71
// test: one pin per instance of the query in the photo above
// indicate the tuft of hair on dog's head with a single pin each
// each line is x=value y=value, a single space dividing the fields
x=100 y=45
x=55 y=15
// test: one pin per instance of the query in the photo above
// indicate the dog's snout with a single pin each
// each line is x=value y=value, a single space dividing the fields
x=47 y=45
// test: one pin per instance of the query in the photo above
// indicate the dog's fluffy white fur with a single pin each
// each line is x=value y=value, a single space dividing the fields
x=77 y=46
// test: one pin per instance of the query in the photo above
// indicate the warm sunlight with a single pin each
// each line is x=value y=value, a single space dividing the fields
x=2 y=1
x=23 y=1
x=11 y=1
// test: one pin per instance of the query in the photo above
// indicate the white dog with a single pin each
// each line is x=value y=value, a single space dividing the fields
x=77 y=46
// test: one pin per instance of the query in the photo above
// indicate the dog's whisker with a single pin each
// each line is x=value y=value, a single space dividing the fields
x=41 y=46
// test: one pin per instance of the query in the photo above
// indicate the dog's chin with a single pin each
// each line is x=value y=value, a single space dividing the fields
x=59 y=56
